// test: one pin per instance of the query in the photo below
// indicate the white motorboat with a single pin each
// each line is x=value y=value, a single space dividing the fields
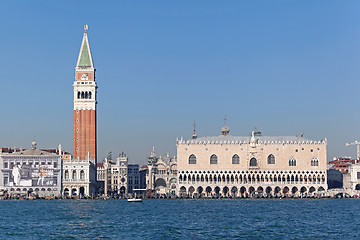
x=134 y=200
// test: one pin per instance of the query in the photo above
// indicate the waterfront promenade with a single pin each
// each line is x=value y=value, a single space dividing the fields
x=330 y=193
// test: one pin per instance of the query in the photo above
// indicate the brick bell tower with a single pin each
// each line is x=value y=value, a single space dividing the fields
x=85 y=145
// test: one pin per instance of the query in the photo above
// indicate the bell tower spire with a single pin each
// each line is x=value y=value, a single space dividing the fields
x=85 y=144
x=85 y=58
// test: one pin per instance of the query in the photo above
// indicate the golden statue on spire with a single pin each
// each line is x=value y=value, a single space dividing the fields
x=86 y=27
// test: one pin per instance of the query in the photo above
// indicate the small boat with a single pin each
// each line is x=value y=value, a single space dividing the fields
x=134 y=200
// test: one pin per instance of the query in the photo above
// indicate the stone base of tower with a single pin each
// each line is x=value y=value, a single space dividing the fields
x=79 y=178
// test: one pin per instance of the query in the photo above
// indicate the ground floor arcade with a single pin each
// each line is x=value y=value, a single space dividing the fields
x=78 y=190
x=249 y=190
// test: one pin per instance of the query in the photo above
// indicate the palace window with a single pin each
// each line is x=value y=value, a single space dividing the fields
x=314 y=161
x=74 y=174
x=236 y=159
x=271 y=159
x=213 y=159
x=192 y=159
x=6 y=165
x=253 y=162
x=82 y=174
x=358 y=175
x=66 y=174
x=292 y=162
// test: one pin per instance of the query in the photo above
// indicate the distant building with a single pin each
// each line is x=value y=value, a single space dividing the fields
x=162 y=174
x=100 y=172
x=342 y=164
x=236 y=166
x=32 y=171
x=334 y=179
x=100 y=178
x=119 y=170
x=351 y=179
x=143 y=173
x=79 y=177
x=114 y=174
x=133 y=177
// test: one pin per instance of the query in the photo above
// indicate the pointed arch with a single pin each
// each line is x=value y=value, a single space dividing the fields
x=271 y=159
x=253 y=162
x=292 y=162
x=192 y=159
x=213 y=159
x=314 y=162
x=235 y=159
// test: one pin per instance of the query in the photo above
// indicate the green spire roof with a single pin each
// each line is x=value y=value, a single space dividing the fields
x=85 y=56
x=85 y=59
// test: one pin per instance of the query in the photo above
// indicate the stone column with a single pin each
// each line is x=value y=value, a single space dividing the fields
x=106 y=182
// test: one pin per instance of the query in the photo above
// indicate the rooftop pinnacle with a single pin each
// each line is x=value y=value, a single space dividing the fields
x=85 y=59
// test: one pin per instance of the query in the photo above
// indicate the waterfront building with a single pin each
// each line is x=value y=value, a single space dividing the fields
x=114 y=174
x=133 y=177
x=100 y=178
x=342 y=164
x=80 y=172
x=240 y=166
x=162 y=174
x=334 y=178
x=351 y=180
x=143 y=171
x=100 y=172
x=118 y=175
x=31 y=171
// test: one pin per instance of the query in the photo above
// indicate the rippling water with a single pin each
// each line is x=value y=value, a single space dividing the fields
x=181 y=219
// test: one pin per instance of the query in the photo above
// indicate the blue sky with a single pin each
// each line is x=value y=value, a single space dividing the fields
x=285 y=66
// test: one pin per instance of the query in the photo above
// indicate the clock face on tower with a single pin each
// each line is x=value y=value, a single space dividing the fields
x=85 y=77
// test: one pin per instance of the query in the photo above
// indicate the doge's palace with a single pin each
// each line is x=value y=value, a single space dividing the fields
x=240 y=166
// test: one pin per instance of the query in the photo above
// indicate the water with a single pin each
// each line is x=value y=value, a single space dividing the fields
x=181 y=219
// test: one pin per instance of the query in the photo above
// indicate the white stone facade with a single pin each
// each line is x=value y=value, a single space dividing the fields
x=32 y=171
x=351 y=180
x=79 y=178
x=84 y=95
x=162 y=178
x=242 y=166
